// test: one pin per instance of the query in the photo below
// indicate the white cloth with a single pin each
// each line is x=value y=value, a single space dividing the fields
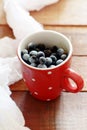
x=21 y=22
x=11 y=117
x=13 y=65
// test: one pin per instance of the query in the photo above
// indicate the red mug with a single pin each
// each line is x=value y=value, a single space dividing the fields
x=47 y=83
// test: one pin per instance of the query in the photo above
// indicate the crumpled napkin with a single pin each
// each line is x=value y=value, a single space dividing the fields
x=22 y=24
x=14 y=73
x=11 y=118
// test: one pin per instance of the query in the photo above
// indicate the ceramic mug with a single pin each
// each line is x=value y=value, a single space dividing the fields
x=47 y=83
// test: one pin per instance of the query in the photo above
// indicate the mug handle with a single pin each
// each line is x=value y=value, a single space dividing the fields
x=67 y=85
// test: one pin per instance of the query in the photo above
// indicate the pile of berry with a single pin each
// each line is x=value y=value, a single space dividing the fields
x=40 y=56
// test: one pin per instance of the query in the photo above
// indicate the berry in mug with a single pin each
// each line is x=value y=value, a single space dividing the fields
x=42 y=56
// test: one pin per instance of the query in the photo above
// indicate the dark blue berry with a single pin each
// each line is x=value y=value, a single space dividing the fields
x=40 y=53
x=63 y=56
x=48 y=61
x=54 y=49
x=60 y=51
x=26 y=57
x=31 y=46
x=47 y=52
x=33 y=64
x=42 y=60
x=32 y=59
x=54 y=54
x=24 y=51
x=33 y=53
x=59 y=61
x=54 y=59
x=42 y=66
x=41 y=47
x=51 y=66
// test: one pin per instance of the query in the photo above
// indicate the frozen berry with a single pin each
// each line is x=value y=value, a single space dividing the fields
x=26 y=57
x=31 y=46
x=59 y=61
x=54 y=59
x=33 y=53
x=51 y=66
x=33 y=64
x=60 y=51
x=63 y=56
x=48 y=61
x=41 y=47
x=42 y=60
x=47 y=52
x=24 y=51
x=54 y=54
x=32 y=59
x=54 y=49
x=40 y=53
x=42 y=66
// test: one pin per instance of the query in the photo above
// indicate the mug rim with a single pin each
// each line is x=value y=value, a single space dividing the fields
x=43 y=31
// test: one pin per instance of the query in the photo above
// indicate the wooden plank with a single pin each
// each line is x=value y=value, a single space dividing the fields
x=79 y=64
x=67 y=112
x=2 y=13
x=20 y=85
x=77 y=36
x=64 y=12
x=5 y=30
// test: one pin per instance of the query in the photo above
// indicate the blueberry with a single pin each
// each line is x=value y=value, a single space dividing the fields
x=24 y=51
x=47 y=52
x=41 y=47
x=31 y=46
x=26 y=57
x=32 y=59
x=59 y=61
x=60 y=51
x=42 y=60
x=33 y=64
x=37 y=61
x=54 y=54
x=33 y=53
x=63 y=56
x=48 y=61
x=54 y=59
x=51 y=66
x=42 y=66
x=54 y=49
x=40 y=53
